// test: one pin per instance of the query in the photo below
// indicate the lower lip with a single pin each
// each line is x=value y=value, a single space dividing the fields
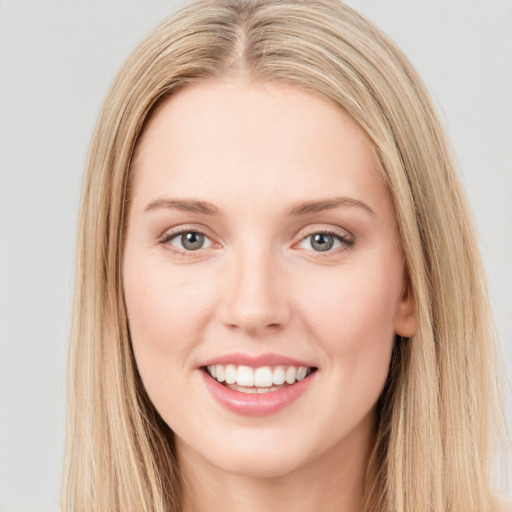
x=256 y=404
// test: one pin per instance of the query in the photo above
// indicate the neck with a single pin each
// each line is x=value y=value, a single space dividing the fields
x=334 y=481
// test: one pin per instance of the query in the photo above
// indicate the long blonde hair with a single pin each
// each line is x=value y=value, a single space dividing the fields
x=437 y=414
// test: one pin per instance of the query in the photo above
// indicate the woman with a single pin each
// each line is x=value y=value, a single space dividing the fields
x=279 y=299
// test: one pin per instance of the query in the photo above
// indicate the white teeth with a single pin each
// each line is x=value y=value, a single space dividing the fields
x=301 y=372
x=279 y=375
x=220 y=373
x=243 y=389
x=245 y=376
x=252 y=390
x=259 y=380
x=230 y=374
x=263 y=377
x=291 y=373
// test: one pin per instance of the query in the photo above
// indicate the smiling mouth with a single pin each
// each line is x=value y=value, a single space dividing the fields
x=264 y=379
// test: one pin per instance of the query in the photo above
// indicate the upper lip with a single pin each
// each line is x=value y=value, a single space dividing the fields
x=255 y=361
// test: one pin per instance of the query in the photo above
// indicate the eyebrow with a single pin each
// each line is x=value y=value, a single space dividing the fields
x=185 y=205
x=328 y=204
x=303 y=208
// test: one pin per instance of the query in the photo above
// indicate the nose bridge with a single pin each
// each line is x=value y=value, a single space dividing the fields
x=255 y=299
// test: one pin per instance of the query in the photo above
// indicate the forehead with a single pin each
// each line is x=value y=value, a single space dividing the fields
x=246 y=137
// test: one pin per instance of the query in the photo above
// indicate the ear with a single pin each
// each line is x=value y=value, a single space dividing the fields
x=406 y=323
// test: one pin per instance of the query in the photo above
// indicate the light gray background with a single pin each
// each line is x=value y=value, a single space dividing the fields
x=57 y=59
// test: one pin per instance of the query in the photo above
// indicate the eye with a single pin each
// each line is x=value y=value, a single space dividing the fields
x=324 y=241
x=186 y=241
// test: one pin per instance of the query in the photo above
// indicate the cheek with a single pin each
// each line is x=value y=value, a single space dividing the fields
x=353 y=306
x=166 y=315
x=352 y=322
x=167 y=312
x=163 y=304
x=351 y=315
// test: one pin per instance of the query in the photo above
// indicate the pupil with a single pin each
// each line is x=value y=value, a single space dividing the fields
x=322 y=242
x=192 y=241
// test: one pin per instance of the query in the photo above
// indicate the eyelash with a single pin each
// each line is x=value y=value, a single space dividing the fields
x=345 y=240
x=165 y=241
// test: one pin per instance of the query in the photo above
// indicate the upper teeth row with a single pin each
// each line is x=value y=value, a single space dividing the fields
x=259 y=377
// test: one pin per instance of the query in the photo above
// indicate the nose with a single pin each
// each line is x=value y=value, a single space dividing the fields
x=255 y=299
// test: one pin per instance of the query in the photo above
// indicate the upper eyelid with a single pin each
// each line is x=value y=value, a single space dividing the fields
x=336 y=231
x=179 y=230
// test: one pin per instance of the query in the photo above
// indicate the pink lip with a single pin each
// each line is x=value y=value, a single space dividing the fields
x=256 y=404
x=255 y=361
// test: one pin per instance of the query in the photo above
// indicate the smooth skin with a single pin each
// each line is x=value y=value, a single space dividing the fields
x=297 y=254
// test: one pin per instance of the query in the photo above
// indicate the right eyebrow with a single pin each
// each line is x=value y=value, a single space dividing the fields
x=187 y=205
x=329 y=204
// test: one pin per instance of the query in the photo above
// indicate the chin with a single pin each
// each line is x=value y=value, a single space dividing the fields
x=261 y=464
x=263 y=453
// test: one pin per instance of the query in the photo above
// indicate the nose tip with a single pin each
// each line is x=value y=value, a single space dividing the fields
x=255 y=301
x=254 y=321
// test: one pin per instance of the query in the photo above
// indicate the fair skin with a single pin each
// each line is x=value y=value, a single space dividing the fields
x=296 y=256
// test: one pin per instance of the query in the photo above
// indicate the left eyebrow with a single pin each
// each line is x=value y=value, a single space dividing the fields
x=185 y=205
x=328 y=204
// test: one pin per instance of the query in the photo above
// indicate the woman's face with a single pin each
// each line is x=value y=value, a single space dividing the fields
x=262 y=240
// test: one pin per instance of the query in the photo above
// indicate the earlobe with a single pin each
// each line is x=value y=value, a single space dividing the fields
x=406 y=323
